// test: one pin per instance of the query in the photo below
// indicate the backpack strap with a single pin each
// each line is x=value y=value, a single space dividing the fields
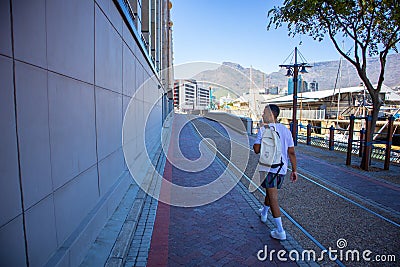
x=280 y=165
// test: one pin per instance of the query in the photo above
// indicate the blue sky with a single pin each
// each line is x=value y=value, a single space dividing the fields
x=235 y=31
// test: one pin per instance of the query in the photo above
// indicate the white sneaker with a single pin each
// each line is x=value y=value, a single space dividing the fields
x=263 y=218
x=260 y=210
x=278 y=235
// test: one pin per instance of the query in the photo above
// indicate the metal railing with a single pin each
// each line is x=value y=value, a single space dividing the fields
x=338 y=139
x=304 y=114
x=343 y=140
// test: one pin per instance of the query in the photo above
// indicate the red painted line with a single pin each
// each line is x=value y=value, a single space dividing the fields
x=158 y=253
x=352 y=173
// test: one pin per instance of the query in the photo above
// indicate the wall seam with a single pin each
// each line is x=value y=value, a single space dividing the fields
x=53 y=72
x=48 y=125
x=7 y=56
x=95 y=99
x=17 y=135
x=123 y=87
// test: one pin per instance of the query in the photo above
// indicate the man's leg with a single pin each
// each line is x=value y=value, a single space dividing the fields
x=266 y=199
x=272 y=195
x=264 y=210
x=279 y=233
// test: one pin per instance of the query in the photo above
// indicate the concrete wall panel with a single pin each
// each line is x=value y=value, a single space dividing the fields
x=76 y=66
x=70 y=38
x=72 y=128
x=115 y=17
x=12 y=243
x=112 y=14
x=139 y=93
x=129 y=39
x=33 y=129
x=109 y=122
x=5 y=29
x=41 y=231
x=108 y=60
x=29 y=19
x=110 y=169
x=10 y=195
x=129 y=72
x=125 y=102
x=73 y=201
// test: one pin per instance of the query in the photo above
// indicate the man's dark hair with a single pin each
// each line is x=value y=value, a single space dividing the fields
x=274 y=109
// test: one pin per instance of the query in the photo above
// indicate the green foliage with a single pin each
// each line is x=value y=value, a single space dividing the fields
x=372 y=24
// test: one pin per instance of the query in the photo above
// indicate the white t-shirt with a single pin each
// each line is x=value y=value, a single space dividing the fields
x=287 y=141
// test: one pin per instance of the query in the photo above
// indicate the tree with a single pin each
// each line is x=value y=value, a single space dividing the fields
x=372 y=25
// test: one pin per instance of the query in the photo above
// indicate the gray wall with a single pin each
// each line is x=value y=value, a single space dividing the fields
x=68 y=70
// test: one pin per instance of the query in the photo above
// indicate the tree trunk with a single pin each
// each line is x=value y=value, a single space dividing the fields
x=377 y=103
x=375 y=113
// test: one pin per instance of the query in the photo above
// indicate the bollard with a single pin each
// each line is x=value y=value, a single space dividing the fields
x=350 y=141
x=309 y=134
x=389 y=142
x=294 y=135
x=331 y=138
x=365 y=162
x=249 y=125
x=362 y=140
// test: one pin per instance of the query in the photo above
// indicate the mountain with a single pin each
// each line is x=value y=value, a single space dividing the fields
x=236 y=78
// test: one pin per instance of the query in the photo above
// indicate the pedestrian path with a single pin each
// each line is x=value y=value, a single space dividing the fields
x=224 y=232
x=145 y=231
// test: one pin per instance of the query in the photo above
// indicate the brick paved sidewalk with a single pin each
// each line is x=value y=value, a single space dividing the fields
x=227 y=232
x=224 y=232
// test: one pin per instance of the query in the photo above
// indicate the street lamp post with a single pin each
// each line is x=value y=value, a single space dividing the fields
x=293 y=69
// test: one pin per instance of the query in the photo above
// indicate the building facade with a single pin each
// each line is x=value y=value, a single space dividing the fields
x=69 y=70
x=302 y=86
x=313 y=86
x=274 y=90
x=203 y=98
x=190 y=96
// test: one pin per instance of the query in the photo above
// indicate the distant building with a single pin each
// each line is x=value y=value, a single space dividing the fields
x=302 y=86
x=184 y=94
x=324 y=104
x=313 y=86
x=272 y=90
x=203 y=98
x=188 y=95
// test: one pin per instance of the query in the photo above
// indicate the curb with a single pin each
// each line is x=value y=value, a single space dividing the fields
x=120 y=250
x=121 y=247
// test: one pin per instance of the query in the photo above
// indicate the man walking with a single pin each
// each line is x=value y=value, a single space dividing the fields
x=272 y=180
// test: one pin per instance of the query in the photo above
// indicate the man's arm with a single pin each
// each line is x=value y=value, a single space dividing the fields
x=256 y=148
x=257 y=142
x=293 y=161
